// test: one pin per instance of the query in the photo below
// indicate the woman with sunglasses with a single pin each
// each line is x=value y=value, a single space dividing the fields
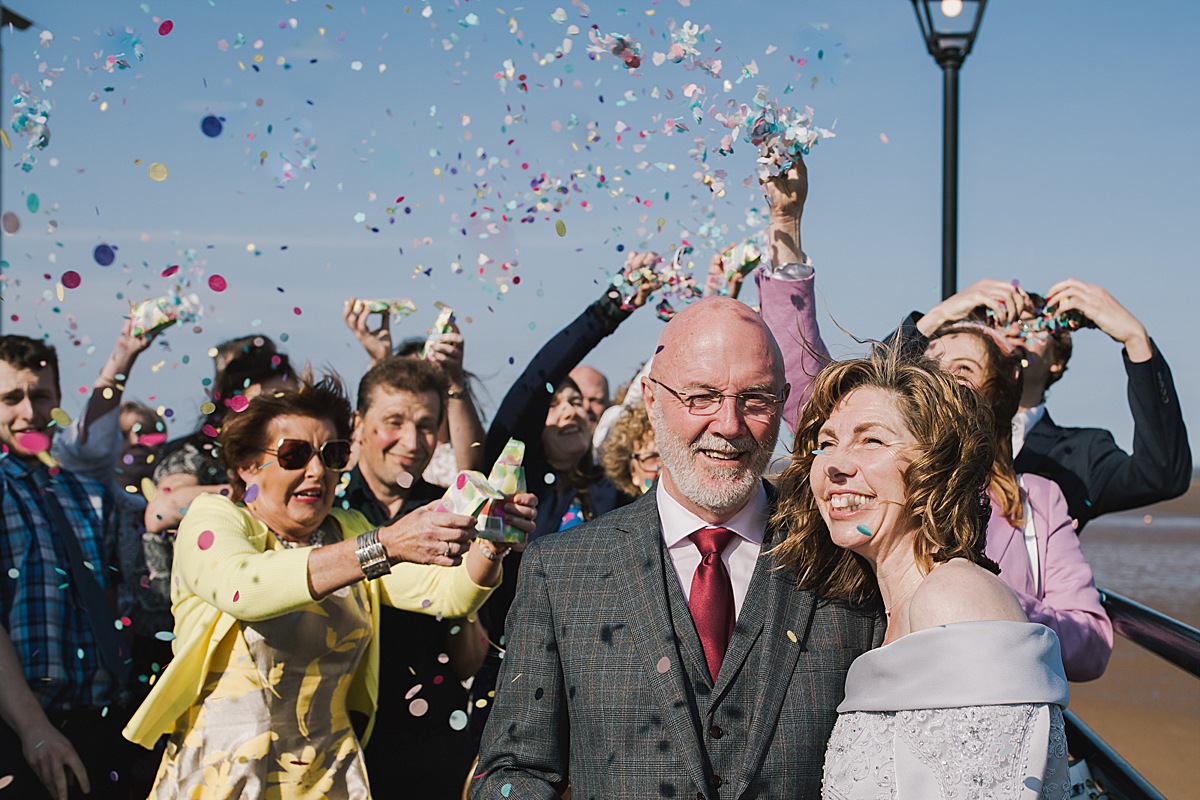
x=276 y=598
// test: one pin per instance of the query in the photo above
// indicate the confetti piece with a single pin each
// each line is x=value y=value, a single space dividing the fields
x=864 y=530
x=60 y=417
x=664 y=665
x=149 y=490
x=14 y=573
x=11 y=222
x=404 y=480
x=237 y=596
x=211 y=126
x=71 y=279
x=33 y=441
x=560 y=227
x=506 y=789
x=458 y=719
x=33 y=203
x=104 y=255
x=418 y=707
x=166 y=27
x=251 y=493
x=238 y=403
x=217 y=283
x=792 y=636
x=205 y=540
x=818 y=452
x=158 y=172
x=165 y=636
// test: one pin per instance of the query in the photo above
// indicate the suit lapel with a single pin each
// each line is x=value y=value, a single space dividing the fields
x=642 y=589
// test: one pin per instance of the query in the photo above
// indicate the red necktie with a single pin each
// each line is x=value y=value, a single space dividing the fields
x=711 y=600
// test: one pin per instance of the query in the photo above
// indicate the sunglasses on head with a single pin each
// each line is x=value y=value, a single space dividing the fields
x=296 y=453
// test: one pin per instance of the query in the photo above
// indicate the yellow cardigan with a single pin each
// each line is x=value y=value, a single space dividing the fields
x=228 y=568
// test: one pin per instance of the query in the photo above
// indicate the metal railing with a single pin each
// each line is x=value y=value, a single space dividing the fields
x=1161 y=635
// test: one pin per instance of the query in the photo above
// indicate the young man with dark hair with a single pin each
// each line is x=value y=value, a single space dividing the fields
x=57 y=553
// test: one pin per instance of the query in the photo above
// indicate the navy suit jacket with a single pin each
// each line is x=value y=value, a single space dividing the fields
x=1098 y=477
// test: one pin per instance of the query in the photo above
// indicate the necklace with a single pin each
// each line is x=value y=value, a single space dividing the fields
x=315 y=540
x=899 y=600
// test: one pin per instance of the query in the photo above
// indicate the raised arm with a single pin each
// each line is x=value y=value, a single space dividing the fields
x=1160 y=466
x=786 y=289
x=522 y=413
x=466 y=430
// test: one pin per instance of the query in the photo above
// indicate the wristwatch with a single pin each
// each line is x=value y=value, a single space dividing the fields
x=372 y=558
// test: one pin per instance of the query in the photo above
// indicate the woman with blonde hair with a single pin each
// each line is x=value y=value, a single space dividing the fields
x=884 y=504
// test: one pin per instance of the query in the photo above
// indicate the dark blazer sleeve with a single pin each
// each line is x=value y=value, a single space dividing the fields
x=1160 y=466
x=1096 y=475
x=522 y=413
x=526 y=744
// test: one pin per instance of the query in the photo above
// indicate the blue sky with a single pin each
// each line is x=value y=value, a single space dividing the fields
x=1078 y=158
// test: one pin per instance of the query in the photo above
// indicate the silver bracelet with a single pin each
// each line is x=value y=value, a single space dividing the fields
x=493 y=555
x=372 y=558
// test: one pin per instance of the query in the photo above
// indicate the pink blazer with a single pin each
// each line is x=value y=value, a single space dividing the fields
x=1067 y=601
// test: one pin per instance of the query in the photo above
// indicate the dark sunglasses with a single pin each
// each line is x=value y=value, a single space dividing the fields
x=296 y=453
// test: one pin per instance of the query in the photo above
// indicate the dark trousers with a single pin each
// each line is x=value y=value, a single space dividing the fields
x=116 y=767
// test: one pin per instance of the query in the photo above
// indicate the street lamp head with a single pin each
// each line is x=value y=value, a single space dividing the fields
x=949 y=28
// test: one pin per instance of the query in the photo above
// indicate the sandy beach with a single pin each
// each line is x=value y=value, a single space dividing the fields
x=1146 y=708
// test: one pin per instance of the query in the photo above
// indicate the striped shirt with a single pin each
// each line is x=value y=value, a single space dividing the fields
x=39 y=607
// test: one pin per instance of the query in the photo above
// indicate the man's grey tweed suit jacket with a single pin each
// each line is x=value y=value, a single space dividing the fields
x=604 y=683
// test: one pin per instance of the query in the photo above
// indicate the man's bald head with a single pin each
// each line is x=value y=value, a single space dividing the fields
x=696 y=331
x=594 y=388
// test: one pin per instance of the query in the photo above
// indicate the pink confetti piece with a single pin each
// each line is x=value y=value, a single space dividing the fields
x=237 y=596
x=217 y=283
x=418 y=707
x=238 y=403
x=71 y=280
x=205 y=540
x=33 y=441
x=166 y=27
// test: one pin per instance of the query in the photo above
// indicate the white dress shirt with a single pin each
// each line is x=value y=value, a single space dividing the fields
x=1022 y=423
x=740 y=557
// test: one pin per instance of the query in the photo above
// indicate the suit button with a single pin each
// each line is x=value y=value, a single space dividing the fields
x=715 y=731
x=718 y=781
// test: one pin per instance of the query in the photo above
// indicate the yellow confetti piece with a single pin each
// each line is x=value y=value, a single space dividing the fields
x=4 y=138
x=47 y=459
x=209 y=408
x=148 y=490
x=158 y=172
x=792 y=636
x=60 y=417
x=883 y=138
x=59 y=290
x=560 y=227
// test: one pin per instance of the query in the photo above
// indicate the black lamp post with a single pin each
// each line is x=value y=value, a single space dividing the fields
x=949 y=28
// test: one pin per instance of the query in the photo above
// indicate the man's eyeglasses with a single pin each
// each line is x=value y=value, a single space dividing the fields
x=296 y=453
x=705 y=404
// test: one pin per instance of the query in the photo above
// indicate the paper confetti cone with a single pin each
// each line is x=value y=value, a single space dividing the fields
x=508 y=478
x=443 y=325
x=468 y=493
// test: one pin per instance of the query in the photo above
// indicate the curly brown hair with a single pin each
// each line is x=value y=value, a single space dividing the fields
x=944 y=485
x=628 y=434
x=244 y=435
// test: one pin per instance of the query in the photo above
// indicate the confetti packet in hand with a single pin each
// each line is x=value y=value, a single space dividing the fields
x=508 y=478
x=444 y=324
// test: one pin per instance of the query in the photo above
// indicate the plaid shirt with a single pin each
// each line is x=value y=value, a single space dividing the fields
x=39 y=606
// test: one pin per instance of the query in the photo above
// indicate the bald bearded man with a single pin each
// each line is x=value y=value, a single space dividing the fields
x=657 y=652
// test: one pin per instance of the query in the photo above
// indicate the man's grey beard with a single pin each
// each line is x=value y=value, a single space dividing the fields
x=734 y=487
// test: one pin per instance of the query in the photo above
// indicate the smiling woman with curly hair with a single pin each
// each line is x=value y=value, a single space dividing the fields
x=629 y=457
x=884 y=502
